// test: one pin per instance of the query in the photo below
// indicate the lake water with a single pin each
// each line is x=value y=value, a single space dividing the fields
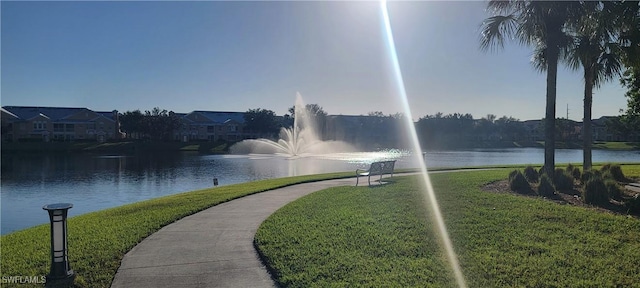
x=95 y=182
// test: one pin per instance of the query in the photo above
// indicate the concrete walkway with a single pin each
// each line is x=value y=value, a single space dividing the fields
x=212 y=248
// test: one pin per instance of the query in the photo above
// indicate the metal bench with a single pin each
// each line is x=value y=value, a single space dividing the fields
x=376 y=168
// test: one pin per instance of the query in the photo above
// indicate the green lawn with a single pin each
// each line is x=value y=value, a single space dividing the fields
x=380 y=237
x=99 y=240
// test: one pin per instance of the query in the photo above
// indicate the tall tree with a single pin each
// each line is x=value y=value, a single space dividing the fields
x=131 y=123
x=541 y=25
x=629 y=29
x=594 y=49
x=261 y=121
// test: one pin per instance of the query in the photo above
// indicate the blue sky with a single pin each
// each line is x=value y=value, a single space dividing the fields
x=235 y=56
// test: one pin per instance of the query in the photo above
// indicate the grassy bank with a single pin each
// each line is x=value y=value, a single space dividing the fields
x=99 y=240
x=378 y=237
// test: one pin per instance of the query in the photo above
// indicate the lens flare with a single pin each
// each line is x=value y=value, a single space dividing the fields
x=430 y=194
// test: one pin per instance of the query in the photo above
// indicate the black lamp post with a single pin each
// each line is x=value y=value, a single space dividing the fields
x=60 y=274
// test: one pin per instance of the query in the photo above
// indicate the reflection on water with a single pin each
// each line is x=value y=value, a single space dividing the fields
x=95 y=182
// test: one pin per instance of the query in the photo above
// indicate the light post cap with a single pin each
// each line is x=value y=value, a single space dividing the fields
x=57 y=206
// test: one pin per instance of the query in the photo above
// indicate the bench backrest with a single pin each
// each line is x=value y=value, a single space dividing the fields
x=387 y=167
x=384 y=167
x=376 y=168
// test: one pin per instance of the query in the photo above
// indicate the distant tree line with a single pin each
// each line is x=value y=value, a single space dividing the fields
x=156 y=124
x=453 y=128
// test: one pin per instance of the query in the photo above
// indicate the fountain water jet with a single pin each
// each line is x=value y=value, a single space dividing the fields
x=300 y=140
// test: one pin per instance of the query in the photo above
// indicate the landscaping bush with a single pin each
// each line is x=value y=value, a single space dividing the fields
x=517 y=182
x=613 y=189
x=574 y=171
x=595 y=192
x=616 y=173
x=563 y=180
x=512 y=175
x=546 y=188
x=589 y=174
x=531 y=174
x=633 y=204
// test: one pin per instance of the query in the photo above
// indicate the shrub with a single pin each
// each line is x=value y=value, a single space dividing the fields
x=546 y=188
x=512 y=175
x=517 y=182
x=616 y=173
x=563 y=180
x=589 y=174
x=595 y=192
x=633 y=204
x=613 y=189
x=531 y=174
x=541 y=171
x=575 y=172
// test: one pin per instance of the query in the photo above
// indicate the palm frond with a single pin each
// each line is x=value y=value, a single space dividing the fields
x=503 y=6
x=539 y=59
x=495 y=29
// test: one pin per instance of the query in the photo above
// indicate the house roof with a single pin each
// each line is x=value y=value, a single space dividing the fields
x=6 y=112
x=53 y=113
x=222 y=117
x=108 y=115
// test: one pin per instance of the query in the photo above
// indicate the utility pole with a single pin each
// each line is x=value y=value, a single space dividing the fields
x=567 y=111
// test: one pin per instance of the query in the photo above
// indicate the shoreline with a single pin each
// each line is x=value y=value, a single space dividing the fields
x=132 y=147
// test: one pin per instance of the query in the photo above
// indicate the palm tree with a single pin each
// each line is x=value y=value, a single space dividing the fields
x=541 y=25
x=594 y=49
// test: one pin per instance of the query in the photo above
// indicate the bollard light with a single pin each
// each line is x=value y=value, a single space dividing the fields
x=60 y=274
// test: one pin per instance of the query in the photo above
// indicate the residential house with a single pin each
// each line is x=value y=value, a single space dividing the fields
x=23 y=123
x=212 y=126
x=534 y=130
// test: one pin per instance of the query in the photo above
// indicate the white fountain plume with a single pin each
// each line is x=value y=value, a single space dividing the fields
x=300 y=140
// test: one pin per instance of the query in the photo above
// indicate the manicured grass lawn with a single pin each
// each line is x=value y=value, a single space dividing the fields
x=616 y=145
x=99 y=240
x=379 y=237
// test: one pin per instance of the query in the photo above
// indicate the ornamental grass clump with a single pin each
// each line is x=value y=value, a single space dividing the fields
x=595 y=192
x=633 y=204
x=615 y=172
x=613 y=189
x=589 y=174
x=518 y=183
x=546 y=188
x=531 y=174
x=563 y=180
x=574 y=171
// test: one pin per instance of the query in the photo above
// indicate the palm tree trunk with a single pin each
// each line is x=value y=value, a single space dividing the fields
x=550 y=115
x=586 y=121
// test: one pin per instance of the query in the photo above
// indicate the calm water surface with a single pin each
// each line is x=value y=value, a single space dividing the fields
x=96 y=182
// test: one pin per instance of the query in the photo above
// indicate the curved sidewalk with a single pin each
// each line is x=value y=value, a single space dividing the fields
x=212 y=248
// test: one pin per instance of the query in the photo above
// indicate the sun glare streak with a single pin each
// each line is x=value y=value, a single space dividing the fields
x=431 y=197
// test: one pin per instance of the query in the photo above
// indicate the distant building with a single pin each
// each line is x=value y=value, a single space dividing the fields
x=212 y=126
x=22 y=123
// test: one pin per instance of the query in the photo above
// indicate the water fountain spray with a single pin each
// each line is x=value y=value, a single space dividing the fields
x=430 y=194
x=298 y=141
